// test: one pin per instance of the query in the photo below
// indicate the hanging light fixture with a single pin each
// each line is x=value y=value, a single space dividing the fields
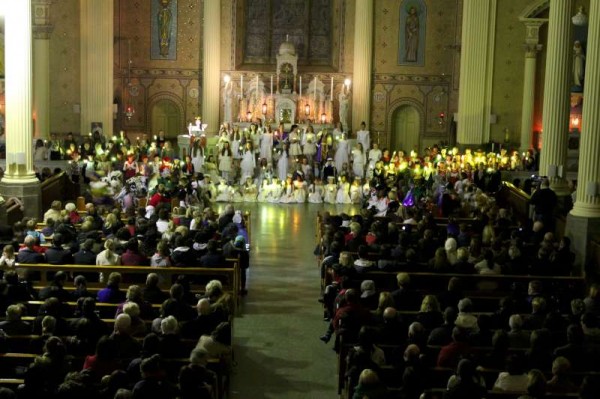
x=580 y=19
x=264 y=108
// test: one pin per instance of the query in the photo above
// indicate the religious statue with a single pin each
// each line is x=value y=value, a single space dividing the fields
x=412 y=35
x=227 y=101
x=344 y=98
x=578 y=64
x=164 y=23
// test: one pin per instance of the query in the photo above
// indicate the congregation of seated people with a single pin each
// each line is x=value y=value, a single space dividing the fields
x=400 y=334
x=151 y=341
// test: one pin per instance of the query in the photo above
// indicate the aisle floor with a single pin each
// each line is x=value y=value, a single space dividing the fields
x=276 y=339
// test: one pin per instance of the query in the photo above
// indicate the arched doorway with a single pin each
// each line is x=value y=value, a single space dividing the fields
x=406 y=127
x=166 y=116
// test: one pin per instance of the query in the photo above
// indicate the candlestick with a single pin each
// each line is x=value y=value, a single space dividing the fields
x=331 y=91
x=242 y=85
x=300 y=86
x=271 y=85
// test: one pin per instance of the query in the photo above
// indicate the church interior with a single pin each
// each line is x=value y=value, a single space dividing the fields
x=516 y=83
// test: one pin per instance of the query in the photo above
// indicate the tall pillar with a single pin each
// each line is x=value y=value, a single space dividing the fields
x=363 y=61
x=211 y=62
x=19 y=180
x=532 y=47
x=583 y=222
x=476 y=71
x=41 y=67
x=555 y=119
x=97 y=65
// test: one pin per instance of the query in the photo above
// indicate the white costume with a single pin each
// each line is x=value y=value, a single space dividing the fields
x=358 y=163
x=294 y=140
x=224 y=193
x=341 y=154
x=356 y=193
x=363 y=137
x=275 y=191
x=315 y=193
x=282 y=166
x=300 y=191
x=343 y=194
x=198 y=159
x=266 y=146
x=330 y=192
x=248 y=165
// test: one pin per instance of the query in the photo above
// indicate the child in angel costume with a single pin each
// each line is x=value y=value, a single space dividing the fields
x=330 y=191
x=343 y=192
x=315 y=192
x=300 y=191
x=276 y=190
x=249 y=190
x=287 y=197
x=356 y=191
x=264 y=191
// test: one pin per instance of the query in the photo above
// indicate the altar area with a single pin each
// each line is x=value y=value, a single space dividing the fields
x=282 y=98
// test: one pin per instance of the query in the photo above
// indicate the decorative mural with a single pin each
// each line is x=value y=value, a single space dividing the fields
x=164 y=30
x=411 y=46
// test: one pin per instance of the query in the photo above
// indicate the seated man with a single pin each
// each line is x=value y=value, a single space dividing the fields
x=13 y=325
x=127 y=346
x=204 y=323
x=85 y=255
x=450 y=354
x=27 y=254
x=55 y=289
x=56 y=254
x=213 y=258
x=152 y=292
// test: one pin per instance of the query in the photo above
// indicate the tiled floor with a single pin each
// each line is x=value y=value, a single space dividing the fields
x=277 y=347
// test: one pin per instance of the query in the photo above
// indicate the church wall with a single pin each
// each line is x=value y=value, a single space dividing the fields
x=177 y=79
x=64 y=67
x=431 y=88
x=509 y=58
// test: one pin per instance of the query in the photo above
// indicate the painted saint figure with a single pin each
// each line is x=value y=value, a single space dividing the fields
x=164 y=25
x=412 y=35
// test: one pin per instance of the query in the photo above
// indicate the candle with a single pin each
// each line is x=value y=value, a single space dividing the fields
x=242 y=85
x=271 y=85
x=300 y=86
x=256 y=85
x=331 y=91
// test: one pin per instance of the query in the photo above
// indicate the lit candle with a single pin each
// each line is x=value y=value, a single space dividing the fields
x=271 y=85
x=300 y=86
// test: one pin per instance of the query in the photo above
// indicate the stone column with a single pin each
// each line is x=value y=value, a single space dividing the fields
x=41 y=67
x=555 y=120
x=211 y=62
x=583 y=222
x=19 y=179
x=476 y=71
x=363 y=61
x=589 y=168
x=532 y=47
x=97 y=65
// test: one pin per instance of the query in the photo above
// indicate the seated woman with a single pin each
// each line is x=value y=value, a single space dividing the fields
x=430 y=315
x=112 y=293
x=514 y=378
x=218 y=343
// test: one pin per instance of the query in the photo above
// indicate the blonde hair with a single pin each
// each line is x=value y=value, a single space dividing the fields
x=132 y=309
x=430 y=304
x=9 y=250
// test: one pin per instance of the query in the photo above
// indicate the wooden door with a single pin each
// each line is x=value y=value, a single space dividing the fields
x=166 y=116
x=406 y=128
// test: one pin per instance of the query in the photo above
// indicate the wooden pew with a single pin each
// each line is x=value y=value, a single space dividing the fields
x=230 y=276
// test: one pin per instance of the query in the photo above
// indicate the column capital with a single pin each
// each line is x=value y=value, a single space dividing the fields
x=40 y=10
x=532 y=29
x=531 y=50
